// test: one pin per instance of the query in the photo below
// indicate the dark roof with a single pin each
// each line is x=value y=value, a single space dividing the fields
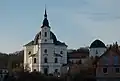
x=30 y=43
x=77 y=54
x=97 y=44
x=111 y=48
x=52 y=36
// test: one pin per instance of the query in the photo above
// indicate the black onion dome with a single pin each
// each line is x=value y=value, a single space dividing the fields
x=97 y=44
x=38 y=36
x=52 y=36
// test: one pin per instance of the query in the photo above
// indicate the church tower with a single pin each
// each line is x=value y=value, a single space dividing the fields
x=45 y=30
x=45 y=53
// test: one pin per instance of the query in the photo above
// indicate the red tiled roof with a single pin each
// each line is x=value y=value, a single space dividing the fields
x=113 y=49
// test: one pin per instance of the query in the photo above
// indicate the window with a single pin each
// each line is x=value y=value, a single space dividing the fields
x=117 y=70
x=96 y=52
x=34 y=60
x=105 y=70
x=34 y=70
x=56 y=70
x=45 y=60
x=29 y=52
x=56 y=60
x=80 y=62
x=45 y=51
x=61 y=52
x=45 y=71
x=45 y=34
x=45 y=40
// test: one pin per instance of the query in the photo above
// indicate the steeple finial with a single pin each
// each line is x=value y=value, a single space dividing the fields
x=45 y=21
x=45 y=15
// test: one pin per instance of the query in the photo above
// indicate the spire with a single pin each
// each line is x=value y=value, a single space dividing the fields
x=45 y=15
x=45 y=21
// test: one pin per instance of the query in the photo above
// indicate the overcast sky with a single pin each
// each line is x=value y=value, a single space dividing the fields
x=76 y=22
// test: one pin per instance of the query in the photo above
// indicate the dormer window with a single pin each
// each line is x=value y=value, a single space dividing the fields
x=45 y=34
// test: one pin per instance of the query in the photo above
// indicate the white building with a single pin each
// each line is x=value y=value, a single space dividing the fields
x=97 y=48
x=45 y=53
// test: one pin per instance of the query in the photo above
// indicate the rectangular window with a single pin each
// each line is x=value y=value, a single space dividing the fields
x=117 y=70
x=34 y=60
x=105 y=70
x=45 y=60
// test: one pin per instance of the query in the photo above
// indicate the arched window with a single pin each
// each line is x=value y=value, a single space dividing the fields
x=61 y=52
x=34 y=60
x=45 y=51
x=56 y=60
x=45 y=60
x=45 y=34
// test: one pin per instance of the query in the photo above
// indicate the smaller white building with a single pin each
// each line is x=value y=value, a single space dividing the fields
x=97 y=48
x=45 y=53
